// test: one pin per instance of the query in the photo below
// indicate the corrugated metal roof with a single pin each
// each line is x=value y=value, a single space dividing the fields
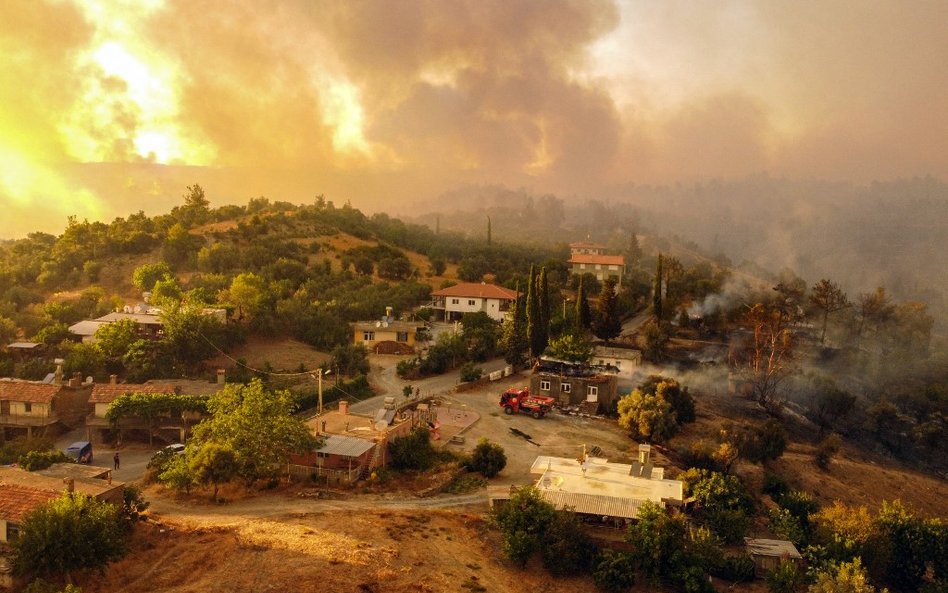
x=344 y=446
x=141 y=318
x=772 y=547
x=594 y=504
x=24 y=345
x=86 y=328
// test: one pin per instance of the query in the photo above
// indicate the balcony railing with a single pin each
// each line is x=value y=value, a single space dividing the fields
x=28 y=420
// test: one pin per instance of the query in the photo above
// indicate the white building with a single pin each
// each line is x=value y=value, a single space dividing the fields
x=457 y=300
x=600 y=266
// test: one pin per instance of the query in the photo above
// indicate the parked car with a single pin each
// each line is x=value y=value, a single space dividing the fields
x=176 y=448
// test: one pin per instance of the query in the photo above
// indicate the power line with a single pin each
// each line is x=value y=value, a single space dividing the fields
x=250 y=368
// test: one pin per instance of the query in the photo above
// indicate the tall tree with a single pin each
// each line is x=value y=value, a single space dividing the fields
x=260 y=427
x=634 y=251
x=875 y=310
x=582 y=306
x=608 y=323
x=767 y=357
x=534 y=320
x=657 y=293
x=513 y=340
x=543 y=292
x=488 y=231
x=827 y=297
x=214 y=464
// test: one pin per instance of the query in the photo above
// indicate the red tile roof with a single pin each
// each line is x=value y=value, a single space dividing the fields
x=16 y=502
x=28 y=391
x=610 y=260
x=105 y=393
x=483 y=291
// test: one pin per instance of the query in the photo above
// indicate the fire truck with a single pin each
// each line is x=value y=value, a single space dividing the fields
x=514 y=401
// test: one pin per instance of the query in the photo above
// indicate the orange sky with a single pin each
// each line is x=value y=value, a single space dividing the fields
x=109 y=107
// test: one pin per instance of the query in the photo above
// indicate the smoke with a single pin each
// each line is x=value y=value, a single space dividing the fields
x=385 y=103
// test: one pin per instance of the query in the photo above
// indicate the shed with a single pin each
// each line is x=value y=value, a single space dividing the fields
x=769 y=553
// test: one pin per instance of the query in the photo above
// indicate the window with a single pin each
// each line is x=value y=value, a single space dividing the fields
x=27 y=407
x=611 y=267
x=13 y=532
x=401 y=336
x=592 y=390
x=566 y=387
x=368 y=336
x=455 y=301
x=544 y=385
x=582 y=266
x=471 y=302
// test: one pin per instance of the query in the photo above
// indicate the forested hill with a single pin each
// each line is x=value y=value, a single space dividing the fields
x=282 y=269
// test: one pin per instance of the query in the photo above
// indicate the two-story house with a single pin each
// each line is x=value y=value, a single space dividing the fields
x=103 y=394
x=471 y=297
x=29 y=406
x=600 y=266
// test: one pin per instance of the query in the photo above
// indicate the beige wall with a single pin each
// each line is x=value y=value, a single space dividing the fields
x=3 y=530
x=36 y=410
x=382 y=334
x=100 y=410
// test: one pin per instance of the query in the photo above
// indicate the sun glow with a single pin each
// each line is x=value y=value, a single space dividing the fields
x=127 y=108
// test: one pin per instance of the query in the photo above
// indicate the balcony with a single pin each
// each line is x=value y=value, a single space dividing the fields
x=28 y=420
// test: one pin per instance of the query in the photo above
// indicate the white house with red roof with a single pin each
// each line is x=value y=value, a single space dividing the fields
x=471 y=297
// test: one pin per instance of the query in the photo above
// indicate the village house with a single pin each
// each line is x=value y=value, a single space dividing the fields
x=103 y=394
x=586 y=248
x=600 y=266
x=387 y=335
x=624 y=360
x=594 y=389
x=600 y=491
x=768 y=554
x=30 y=407
x=471 y=297
x=147 y=320
x=354 y=445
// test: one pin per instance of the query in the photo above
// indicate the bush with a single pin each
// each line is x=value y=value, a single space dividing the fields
x=786 y=578
x=567 y=549
x=523 y=522
x=12 y=451
x=614 y=572
x=413 y=451
x=37 y=460
x=488 y=458
x=730 y=525
x=737 y=569
x=471 y=372
x=825 y=451
x=775 y=486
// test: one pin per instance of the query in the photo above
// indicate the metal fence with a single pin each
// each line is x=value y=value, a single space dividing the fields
x=331 y=476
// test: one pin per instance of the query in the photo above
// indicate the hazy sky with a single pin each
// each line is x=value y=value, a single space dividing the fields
x=109 y=107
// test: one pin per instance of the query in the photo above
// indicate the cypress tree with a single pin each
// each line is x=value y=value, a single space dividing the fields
x=488 y=230
x=657 y=297
x=514 y=334
x=582 y=306
x=534 y=322
x=608 y=324
x=543 y=291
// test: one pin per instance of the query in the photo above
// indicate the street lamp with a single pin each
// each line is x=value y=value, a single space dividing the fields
x=319 y=387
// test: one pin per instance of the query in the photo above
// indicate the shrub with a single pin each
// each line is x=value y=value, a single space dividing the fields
x=730 y=525
x=786 y=526
x=825 y=451
x=412 y=451
x=735 y=568
x=523 y=522
x=471 y=372
x=37 y=460
x=488 y=458
x=614 y=572
x=775 y=486
x=846 y=577
x=786 y=578
x=567 y=549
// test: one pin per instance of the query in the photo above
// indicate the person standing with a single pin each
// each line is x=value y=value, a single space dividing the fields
x=115 y=458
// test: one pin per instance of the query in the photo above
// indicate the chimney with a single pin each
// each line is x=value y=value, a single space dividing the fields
x=343 y=407
x=75 y=380
x=644 y=451
x=113 y=379
x=70 y=484
x=220 y=376
x=59 y=370
x=388 y=312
